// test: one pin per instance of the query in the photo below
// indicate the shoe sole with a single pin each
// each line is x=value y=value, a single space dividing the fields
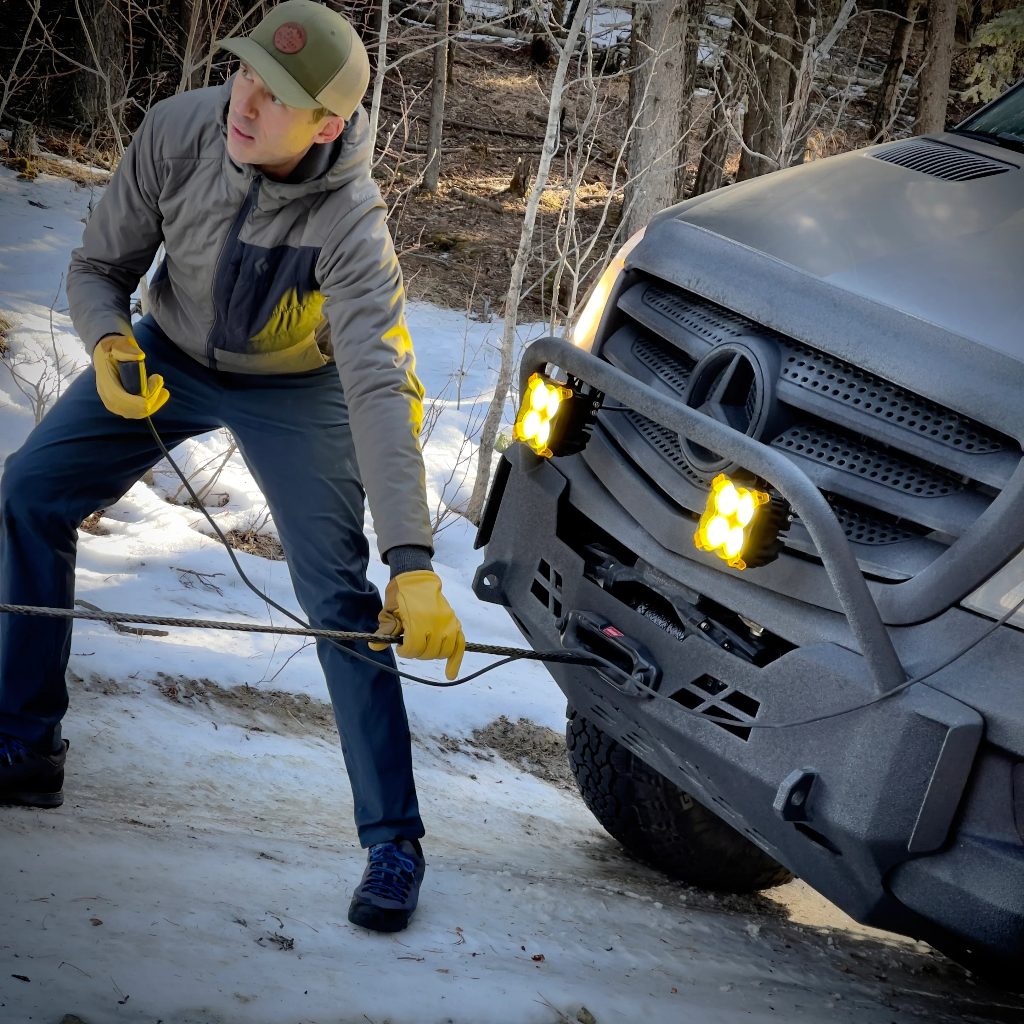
x=27 y=799
x=377 y=919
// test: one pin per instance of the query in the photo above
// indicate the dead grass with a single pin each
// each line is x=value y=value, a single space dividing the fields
x=5 y=328
x=255 y=709
x=262 y=544
x=91 y=524
x=531 y=747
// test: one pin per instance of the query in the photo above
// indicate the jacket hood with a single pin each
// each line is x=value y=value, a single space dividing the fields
x=948 y=252
x=352 y=161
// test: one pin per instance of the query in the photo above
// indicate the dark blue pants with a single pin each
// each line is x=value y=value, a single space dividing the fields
x=294 y=435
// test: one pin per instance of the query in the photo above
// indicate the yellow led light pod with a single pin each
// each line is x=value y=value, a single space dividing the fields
x=540 y=405
x=737 y=526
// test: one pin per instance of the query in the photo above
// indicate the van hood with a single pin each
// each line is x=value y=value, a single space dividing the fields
x=948 y=252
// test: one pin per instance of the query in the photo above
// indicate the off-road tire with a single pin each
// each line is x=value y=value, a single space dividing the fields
x=657 y=822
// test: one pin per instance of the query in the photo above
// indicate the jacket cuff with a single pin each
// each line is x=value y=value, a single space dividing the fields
x=407 y=558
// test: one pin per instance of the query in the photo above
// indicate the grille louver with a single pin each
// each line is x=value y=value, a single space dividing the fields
x=667 y=442
x=867 y=529
x=841 y=382
x=669 y=364
x=844 y=453
x=941 y=161
x=703 y=318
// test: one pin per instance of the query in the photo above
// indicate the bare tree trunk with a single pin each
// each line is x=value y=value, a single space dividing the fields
x=496 y=410
x=888 y=93
x=432 y=172
x=933 y=85
x=728 y=89
x=381 y=71
x=757 y=74
x=100 y=91
x=778 y=84
x=694 y=17
x=454 y=23
x=770 y=89
x=657 y=88
x=792 y=146
x=187 y=54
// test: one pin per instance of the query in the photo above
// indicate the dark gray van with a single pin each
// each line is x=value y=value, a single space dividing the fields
x=846 y=339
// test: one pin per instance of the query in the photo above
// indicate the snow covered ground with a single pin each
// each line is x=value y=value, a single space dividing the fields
x=200 y=869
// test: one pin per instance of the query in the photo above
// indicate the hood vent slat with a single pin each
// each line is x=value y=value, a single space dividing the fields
x=941 y=160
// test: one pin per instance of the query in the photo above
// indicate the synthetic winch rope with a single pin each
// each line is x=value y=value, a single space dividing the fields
x=340 y=638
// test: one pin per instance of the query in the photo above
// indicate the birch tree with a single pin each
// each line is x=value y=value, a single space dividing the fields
x=496 y=409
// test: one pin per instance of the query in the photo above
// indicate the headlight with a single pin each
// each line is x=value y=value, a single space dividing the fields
x=999 y=594
x=555 y=419
x=586 y=327
x=741 y=524
x=538 y=412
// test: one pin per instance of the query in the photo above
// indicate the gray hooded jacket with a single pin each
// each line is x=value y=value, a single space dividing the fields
x=262 y=276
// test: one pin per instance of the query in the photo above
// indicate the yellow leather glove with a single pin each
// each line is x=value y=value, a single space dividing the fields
x=415 y=607
x=114 y=349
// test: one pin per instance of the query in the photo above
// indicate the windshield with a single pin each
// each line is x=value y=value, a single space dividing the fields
x=1004 y=119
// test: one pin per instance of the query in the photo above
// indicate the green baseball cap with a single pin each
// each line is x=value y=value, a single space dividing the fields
x=308 y=55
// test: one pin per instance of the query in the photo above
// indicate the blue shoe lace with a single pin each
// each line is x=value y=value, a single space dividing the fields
x=13 y=751
x=391 y=873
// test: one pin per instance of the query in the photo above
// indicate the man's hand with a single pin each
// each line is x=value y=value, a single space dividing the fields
x=415 y=607
x=114 y=349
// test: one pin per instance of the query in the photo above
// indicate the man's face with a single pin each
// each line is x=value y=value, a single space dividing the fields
x=264 y=131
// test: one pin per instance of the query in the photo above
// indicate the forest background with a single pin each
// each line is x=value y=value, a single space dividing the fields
x=519 y=144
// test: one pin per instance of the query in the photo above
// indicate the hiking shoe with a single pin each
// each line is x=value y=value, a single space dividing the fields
x=27 y=777
x=386 y=897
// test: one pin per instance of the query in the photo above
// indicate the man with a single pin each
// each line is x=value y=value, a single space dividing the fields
x=277 y=311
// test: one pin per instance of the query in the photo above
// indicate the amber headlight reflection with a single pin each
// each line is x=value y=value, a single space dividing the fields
x=584 y=332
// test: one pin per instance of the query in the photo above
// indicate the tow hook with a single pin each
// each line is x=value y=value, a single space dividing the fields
x=632 y=669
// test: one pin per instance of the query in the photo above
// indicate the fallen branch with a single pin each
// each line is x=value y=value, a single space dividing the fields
x=488 y=204
x=472 y=126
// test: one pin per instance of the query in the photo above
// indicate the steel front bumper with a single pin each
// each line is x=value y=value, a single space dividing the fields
x=886 y=830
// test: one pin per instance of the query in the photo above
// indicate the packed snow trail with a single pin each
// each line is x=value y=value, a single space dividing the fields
x=201 y=867
x=203 y=863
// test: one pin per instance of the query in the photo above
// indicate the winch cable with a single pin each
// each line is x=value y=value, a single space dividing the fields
x=337 y=637
x=507 y=654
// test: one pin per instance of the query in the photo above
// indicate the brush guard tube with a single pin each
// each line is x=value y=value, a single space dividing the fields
x=807 y=501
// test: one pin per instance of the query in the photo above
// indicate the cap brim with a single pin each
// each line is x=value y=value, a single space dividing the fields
x=277 y=80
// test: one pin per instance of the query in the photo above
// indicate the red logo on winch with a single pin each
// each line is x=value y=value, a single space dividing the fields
x=290 y=37
x=611 y=631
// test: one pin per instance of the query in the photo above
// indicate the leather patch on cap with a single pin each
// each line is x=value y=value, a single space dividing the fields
x=290 y=37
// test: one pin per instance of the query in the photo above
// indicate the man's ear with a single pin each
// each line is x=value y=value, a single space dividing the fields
x=330 y=128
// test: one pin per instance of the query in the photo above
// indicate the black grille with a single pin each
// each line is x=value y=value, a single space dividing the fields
x=826 y=375
x=862 y=528
x=671 y=365
x=704 y=318
x=850 y=456
x=941 y=161
x=666 y=442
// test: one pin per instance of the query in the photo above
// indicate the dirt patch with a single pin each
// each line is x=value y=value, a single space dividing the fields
x=5 y=328
x=91 y=524
x=262 y=544
x=534 y=748
x=257 y=710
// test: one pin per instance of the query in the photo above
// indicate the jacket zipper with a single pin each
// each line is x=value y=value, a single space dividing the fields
x=225 y=256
